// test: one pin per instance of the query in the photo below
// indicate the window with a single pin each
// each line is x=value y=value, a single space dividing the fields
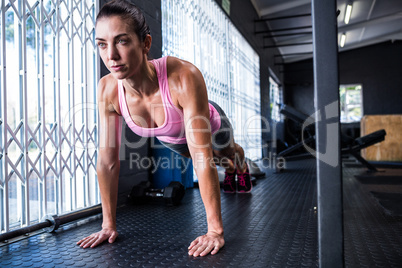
x=351 y=103
x=48 y=133
x=198 y=31
x=276 y=99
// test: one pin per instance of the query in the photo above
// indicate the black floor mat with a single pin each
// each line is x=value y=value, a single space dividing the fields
x=391 y=202
x=383 y=176
x=372 y=238
x=274 y=226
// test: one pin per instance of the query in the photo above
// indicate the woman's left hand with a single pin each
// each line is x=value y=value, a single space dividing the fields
x=209 y=243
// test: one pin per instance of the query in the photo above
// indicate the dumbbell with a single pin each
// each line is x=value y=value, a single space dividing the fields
x=172 y=194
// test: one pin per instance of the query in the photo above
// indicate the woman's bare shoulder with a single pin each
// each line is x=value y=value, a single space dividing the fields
x=175 y=64
x=186 y=81
x=107 y=92
x=107 y=86
x=183 y=73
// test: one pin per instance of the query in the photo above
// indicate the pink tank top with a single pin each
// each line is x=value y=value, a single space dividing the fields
x=172 y=130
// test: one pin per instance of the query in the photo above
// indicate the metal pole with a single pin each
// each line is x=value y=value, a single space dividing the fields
x=59 y=126
x=24 y=87
x=3 y=101
x=41 y=72
x=326 y=96
x=23 y=231
x=73 y=134
x=5 y=195
x=52 y=223
x=96 y=114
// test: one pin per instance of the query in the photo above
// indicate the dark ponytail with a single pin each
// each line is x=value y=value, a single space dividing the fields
x=128 y=12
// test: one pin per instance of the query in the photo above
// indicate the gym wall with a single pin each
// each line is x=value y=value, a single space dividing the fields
x=379 y=69
x=376 y=67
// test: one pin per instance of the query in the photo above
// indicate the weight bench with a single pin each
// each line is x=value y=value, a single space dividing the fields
x=299 y=118
x=351 y=146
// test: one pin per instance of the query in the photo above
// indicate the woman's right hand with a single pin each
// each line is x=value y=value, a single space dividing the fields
x=95 y=239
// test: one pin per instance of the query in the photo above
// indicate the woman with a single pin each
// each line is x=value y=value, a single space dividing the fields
x=166 y=98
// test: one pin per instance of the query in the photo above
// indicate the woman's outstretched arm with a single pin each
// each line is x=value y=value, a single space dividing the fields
x=107 y=168
x=194 y=101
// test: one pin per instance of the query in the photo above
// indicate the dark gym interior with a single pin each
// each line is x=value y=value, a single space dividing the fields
x=278 y=224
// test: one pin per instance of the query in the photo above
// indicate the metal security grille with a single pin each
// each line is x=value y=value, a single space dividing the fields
x=244 y=67
x=198 y=31
x=48 y=133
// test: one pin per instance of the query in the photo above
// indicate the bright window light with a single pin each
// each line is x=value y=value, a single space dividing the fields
x=351 y=103
x=200 y=32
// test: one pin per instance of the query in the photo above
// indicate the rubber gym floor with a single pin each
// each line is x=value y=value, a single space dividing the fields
x=274 y=226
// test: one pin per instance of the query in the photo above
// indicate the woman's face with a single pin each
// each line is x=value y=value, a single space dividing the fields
x=119 y=47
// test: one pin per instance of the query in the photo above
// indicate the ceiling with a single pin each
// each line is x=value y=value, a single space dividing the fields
x=371 y=22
